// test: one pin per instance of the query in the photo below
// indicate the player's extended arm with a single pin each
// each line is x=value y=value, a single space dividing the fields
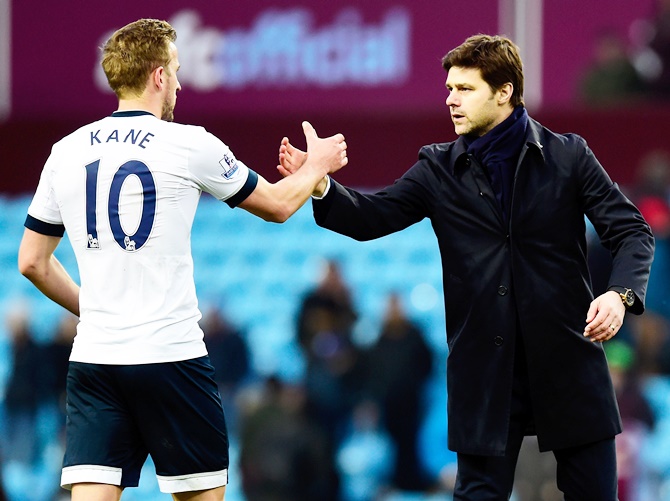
x=40 y=266
x=291 y=159
x=277 y=202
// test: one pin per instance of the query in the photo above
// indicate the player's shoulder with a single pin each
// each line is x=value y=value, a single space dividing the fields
x=184 y=128
x=82 y=130
x=188 y=133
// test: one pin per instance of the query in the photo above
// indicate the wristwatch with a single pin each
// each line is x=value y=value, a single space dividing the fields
x=627 y=295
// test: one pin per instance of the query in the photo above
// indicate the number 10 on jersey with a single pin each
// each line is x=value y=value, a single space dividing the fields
x=130 y=243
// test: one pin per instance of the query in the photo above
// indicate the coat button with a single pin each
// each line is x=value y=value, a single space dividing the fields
x=467 y=162
x=502 y=290
x=498 y=340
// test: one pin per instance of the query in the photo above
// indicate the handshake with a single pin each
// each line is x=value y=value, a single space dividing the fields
x=326 y=155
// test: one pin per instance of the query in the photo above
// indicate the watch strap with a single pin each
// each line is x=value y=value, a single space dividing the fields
x=623 y=292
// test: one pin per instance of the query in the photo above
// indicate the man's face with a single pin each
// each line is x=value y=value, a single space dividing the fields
x=475 y=108
x=172 y=86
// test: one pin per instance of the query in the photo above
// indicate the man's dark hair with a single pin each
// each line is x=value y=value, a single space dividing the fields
x=496 y=57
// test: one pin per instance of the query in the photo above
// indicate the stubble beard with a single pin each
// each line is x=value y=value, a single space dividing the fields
x=167 y=112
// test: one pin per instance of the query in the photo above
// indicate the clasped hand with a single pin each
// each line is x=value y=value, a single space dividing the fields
x=329 y=152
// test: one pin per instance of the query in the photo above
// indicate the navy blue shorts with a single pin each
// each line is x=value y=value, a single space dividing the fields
x=118 y=414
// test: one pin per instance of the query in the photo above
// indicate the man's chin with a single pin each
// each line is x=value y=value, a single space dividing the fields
x=461 y=130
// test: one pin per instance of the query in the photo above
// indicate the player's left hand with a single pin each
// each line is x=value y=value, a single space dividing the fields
x=290 y=158
x=605 y=317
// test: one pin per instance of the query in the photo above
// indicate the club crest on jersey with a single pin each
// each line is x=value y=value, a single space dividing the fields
x=229 y=165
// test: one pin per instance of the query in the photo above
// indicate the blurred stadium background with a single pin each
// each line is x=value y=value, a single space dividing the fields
x=251 y=72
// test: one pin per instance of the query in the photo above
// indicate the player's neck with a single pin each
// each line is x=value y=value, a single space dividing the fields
x=140 y=104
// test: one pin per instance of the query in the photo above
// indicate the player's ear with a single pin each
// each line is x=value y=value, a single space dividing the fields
x=157 y=77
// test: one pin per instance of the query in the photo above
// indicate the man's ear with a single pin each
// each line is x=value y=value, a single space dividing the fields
x=505 y=93
x=157 y=77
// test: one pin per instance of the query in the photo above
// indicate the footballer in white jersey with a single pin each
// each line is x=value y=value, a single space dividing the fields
x=126 y=190
x=139 y=179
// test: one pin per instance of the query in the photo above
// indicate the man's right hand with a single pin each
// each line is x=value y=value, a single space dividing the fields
x=327 y=154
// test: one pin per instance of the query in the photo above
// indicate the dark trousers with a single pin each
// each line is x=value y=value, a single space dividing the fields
x=584 y=473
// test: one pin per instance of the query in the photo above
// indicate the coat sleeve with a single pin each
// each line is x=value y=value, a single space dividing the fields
x=619 y=224
x=369 y=216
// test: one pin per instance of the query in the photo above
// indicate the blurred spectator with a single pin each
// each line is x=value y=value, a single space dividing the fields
x=56 y=356
x=366 y=456
x=657 y=213
x=611 y=77
x=229 y=354
x=325 y=322
x=438 y=460
x=652 y=178
x=227 y=349
x=284 y=456
x=54 y=362
x=636 y=415
x=330 y=303
x=653 y=56
x=22 y=392
x=651 y=194
x=651 y=342
x=398 y=366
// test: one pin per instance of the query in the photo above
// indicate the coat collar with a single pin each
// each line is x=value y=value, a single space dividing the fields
x=458 y=153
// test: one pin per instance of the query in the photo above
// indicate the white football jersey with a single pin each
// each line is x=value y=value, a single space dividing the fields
x=126 y=188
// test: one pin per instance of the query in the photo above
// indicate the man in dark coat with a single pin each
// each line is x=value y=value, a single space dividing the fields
x=507 y=201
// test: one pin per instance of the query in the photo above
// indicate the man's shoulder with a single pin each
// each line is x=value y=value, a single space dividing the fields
x=439 y=147
x=546 y=137
x=440 y=152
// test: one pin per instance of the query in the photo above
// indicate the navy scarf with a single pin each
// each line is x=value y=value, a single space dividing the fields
x=498 y=151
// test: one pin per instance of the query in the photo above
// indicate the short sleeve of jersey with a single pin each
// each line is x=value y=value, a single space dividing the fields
x=44 y=206
x=217 y=171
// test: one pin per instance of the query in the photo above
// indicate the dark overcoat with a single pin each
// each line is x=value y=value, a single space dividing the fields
x=528 y=277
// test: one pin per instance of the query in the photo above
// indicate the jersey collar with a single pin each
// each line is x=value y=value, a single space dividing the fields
x=131 y=113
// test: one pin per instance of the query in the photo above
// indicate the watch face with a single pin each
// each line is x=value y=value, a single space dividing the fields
x=629 y=297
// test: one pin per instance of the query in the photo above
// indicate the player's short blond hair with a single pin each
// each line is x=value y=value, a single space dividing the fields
x=133 y=52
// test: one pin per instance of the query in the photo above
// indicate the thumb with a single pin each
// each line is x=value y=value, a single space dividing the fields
x=309 y=131
x=593 y=310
